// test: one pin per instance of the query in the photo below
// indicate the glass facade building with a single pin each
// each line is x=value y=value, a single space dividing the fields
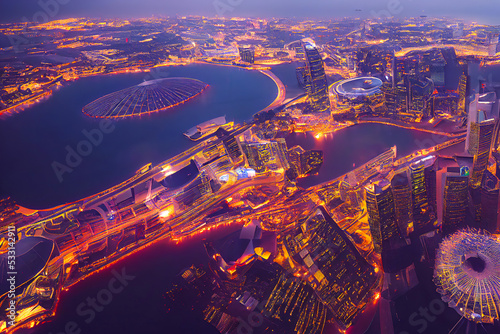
x=315 y=79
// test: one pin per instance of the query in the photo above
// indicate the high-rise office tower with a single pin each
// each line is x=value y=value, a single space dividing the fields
x=305 y=162
x=480 y=138
x=423 y=185
x=294 y=155
x=455 y=198
x=401 y=191
x=230 y=144
x=472 y=96
x=247 y=54
x=419 y=93
x=263 y=156
x=282 y=152
x=401 y=92
x=489 y=202
x=389 y=97
x=341 y=277
x=315 y=79
x=462 y=91
x=437 y=71
x=311 y=161
x=381 y=215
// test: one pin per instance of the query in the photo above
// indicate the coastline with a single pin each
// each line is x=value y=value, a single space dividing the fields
x=408 y=127
x=22 y=106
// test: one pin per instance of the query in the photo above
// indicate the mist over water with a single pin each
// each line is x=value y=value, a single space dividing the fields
x=483 y=11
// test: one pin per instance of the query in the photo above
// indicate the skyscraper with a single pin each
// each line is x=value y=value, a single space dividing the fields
x=315 y=79
x=305 y=162
x=472 y=97
x=455 y=198
x=283 y=152
x=419 y=93
x=489 y=202
x=230 y=143
x=423 y=185
x=462 y=91
x=247 y=54
x=479 y=146
x=251 y=153
x=401 y=191
x=381 y=215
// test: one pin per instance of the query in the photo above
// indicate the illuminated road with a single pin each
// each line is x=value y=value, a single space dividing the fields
x=280 y=98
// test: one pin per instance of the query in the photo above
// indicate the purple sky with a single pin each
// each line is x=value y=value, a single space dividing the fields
x=485 y=11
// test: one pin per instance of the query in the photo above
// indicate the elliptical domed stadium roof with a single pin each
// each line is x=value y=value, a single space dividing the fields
x=144 y=98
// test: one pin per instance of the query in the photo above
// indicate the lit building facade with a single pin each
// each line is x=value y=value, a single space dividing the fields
x=479 y=146
x=455 y=199
x=401 y=191
x=315 y=79
x=381 y=215
x=423 y=185
x=247 y=54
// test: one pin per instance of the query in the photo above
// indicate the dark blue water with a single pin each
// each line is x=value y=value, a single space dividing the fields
x=351 y=147
x=286 y=73
x=140 y=306
x=33 y=140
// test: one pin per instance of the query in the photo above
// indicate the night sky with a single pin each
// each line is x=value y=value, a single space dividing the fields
x=484 y=11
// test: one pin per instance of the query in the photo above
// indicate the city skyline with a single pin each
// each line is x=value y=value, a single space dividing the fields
x=480 y=11
x=209 y=174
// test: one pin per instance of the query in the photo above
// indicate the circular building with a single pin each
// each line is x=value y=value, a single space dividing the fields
x=467 y=275
x=356 y=87
x=145 y=98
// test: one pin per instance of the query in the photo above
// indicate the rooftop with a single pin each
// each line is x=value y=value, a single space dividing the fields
x=145 y=98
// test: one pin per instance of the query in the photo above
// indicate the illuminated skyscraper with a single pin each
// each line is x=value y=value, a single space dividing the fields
x=401 y=191
x=462 y=91
x=381 y=215
x=200 y=187
x=294 y=155
x=230 y=144
x=315 y=79
x=437 y=71
x=455 y=198
x=341 y=277
x=305 y=162
x=251 y=154
x=401 y=93
x=283 y=152
x=389 y=97
x=247 y=54
x=423 y=185
x=472 y=97
x=479 y=146
x=262 y=156
x=419 y=92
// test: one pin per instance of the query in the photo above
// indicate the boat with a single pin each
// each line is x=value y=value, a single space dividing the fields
x=207 y=128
